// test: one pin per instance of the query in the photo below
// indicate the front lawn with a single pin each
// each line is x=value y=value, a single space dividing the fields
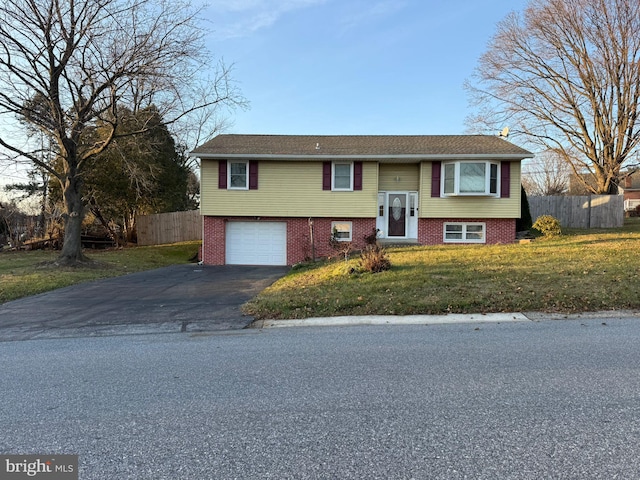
x=580 y=271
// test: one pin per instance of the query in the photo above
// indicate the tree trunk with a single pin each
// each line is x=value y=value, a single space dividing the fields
x=71 y=253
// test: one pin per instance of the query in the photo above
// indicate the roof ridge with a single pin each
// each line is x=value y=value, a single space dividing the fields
x=282 y=145
x=417 y=135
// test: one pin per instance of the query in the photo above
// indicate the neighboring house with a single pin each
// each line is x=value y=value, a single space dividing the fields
x=276 y=199
x=630 y=188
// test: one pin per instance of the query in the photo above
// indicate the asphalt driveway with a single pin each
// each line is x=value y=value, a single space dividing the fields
x=179 y=298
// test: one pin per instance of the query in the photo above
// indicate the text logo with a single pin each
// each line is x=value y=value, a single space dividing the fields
x=49 y=467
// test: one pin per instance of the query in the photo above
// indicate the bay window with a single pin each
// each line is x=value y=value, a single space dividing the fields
x=470 y=178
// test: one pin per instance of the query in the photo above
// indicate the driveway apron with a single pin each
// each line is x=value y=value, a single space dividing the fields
x=171 y=299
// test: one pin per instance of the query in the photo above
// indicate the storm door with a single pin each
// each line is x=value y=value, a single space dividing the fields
x=397 y=214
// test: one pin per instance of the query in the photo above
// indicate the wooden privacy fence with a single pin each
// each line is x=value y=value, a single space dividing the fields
x=169 y=227
x=590 y=211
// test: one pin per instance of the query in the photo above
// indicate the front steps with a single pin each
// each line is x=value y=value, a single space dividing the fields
x=398 y=242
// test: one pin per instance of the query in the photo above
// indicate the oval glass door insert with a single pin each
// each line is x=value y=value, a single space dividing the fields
x=396 y=208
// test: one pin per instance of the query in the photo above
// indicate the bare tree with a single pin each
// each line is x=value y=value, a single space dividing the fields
x=566 y=75
x=65 y=66
x=547 y=174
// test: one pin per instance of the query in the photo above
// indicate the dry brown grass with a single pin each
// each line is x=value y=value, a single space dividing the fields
x=578 y=271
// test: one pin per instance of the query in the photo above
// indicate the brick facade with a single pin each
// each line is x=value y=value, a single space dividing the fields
x=498 y=230
x=213 y=240
x=430 y=232
x=298 y=236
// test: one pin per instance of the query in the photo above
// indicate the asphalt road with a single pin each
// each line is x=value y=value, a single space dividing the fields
x=528 y=400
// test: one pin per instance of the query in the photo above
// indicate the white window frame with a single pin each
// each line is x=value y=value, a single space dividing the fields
x=381 y=203
x=464 y=232
x=333 y=177
x=246 y=182
x=334 y=226
x=456 y=179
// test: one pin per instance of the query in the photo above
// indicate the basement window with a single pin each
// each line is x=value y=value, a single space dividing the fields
x=341 y=231
x=464 y=233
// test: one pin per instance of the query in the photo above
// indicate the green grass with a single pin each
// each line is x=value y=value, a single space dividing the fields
x=28 y=273
x=579 y=271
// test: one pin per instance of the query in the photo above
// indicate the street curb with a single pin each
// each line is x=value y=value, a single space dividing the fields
x=393 y=320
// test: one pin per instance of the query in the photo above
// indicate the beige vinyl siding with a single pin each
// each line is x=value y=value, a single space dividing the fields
x=288 y=189
x=469 y=207
x=399 y=177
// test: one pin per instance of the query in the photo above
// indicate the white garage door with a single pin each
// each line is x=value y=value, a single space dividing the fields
x=256 y=243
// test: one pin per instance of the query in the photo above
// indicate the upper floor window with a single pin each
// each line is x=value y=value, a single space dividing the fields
x=238 y=175
x=342 y=176
x=470 y=178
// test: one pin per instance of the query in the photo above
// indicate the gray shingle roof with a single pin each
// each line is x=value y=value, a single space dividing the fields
x=358 y=146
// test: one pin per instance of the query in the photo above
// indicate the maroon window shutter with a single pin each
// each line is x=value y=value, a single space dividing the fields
x=326 y=175
x=436 y=168
x=222 y=174
x=505 y=179
x=357 y=175
x=253 y=175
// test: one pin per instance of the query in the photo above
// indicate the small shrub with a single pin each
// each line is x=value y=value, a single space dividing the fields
x=372 y=238
x=548 y=226
x=374 y=259
x=340 y=246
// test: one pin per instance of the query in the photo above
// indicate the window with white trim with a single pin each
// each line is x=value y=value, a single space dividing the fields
x=342 y=176
x=238 y=176
x=471 y=178
x=341 y=231
x=465 y=232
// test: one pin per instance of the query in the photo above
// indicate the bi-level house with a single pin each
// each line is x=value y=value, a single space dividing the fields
x=278 y=199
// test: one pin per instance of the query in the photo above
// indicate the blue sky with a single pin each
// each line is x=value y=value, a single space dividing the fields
x=353 y=66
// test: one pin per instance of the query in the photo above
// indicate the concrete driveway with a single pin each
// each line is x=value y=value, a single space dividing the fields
x=179 y=298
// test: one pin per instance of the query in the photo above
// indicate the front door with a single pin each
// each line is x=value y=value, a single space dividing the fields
x=397 y=214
